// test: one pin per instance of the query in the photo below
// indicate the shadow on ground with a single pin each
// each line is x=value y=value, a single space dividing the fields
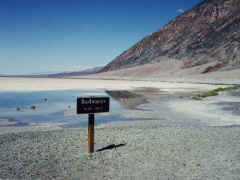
x=109 y=147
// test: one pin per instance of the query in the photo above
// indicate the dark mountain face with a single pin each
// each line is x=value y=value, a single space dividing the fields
x=209 y=32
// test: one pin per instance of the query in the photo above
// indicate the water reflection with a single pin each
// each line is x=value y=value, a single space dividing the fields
x=59 y=107
x=46 y=106
x=128 y=99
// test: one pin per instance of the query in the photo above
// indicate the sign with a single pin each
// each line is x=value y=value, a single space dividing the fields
x=90 y=105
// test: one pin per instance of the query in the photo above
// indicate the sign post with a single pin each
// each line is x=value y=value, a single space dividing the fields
x=91 y=105
x=90 y=133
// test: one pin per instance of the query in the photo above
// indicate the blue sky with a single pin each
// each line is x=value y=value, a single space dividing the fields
x=41 y=36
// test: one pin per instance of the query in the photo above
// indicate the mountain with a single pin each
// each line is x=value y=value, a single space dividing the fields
x=61 y=75
x=209 y=33
x=76 y=73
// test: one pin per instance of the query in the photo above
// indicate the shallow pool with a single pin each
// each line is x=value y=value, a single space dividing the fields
x=52 y=106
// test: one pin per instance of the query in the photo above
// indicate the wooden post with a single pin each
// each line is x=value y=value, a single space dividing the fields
x=90 y=133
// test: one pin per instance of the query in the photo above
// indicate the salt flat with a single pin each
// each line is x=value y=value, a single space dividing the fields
x=46 y=84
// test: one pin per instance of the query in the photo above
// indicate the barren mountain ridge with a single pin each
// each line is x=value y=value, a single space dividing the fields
x=207 y=33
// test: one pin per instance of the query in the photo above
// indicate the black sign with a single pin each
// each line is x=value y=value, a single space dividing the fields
x=92 y=105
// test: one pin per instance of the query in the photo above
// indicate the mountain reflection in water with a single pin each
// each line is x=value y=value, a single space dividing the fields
x=128 y=99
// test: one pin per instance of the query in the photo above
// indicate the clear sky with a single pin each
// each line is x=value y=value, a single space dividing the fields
x=40 y=36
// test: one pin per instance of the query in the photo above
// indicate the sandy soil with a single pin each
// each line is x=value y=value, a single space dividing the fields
x=172 y=137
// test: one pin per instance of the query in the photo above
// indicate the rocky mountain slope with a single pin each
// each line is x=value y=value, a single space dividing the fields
x=209 y=33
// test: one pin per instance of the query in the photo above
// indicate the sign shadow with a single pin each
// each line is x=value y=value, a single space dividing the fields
x=111 y=146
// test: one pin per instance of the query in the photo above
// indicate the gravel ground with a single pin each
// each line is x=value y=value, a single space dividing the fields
x=151 y=152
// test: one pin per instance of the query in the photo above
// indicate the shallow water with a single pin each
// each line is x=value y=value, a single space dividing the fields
x=54 y=107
